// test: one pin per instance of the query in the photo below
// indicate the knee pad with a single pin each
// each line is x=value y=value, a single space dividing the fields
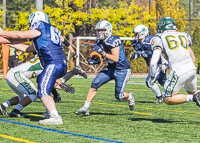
x=32 y=97
x=96 y=83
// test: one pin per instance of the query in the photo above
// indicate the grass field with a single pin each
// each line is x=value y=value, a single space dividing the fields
x=110 y=120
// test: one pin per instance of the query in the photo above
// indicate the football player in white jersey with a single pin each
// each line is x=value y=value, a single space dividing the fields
x=176 y=47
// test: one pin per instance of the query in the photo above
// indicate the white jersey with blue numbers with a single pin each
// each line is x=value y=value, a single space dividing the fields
x=174 y=46
x=143 y=49
x=48 y=44
x=107 y=45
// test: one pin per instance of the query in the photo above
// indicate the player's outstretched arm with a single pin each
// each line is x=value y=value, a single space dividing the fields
x=23 y=47
x=11 y=41
x=29 y=34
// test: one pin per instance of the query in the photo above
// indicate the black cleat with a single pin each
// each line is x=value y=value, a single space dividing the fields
x=81 y=72
x=16 y=113
x=196 y=98
x=158 y=100
x=3 y=110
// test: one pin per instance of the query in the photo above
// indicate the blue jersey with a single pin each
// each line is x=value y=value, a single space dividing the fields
x=107 y=45
x=48 y=44
x=143 y=49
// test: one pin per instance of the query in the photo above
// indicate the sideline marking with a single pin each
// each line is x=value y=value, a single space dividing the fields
x=62 y=132
x=16 y=139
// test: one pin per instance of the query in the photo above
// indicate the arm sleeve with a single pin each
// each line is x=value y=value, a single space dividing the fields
x=154 y=60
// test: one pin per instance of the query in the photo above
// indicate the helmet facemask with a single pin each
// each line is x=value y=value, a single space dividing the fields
x=103 y=26
x=166 y=24
x=140 y=31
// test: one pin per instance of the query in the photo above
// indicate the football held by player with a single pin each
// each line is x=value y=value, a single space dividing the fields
x=110 y=48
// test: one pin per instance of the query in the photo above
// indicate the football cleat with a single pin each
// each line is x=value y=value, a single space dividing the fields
x=3 y=110
x=197 y=99
x=83 y=110
x=54 y=120
x=131 y=101
x=81 y=72
x=16 y=113
x=158 y=100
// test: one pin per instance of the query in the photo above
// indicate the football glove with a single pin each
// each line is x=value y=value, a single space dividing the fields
x=164 y=68
x=132 y=56
x=74 y=56
x=95 y=58
x=67 y=88
x=98 y=49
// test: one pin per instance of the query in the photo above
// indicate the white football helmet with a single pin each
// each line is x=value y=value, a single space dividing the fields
x=103 y=25
x=38 y=16
x=140 y=31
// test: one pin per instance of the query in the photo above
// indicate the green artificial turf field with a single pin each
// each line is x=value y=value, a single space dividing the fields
x=110 y=120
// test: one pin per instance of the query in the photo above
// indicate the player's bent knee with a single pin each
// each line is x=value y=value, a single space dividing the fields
x=119 y=96
x=168 y=101
x=96 y=83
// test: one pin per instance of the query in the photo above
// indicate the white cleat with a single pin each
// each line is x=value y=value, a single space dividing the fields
x=83 y=110
x=131 y=101
x=55 y=120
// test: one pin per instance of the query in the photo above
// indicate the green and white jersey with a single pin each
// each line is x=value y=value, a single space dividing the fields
x=29 y=69
x=175 y=48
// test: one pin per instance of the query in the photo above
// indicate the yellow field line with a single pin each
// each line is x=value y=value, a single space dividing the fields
x=132 y=89
x=180 y=111
x=36 y=115
x=109 y=105
x=16 y=139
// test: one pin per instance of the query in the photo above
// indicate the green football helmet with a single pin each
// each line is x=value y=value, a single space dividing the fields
x=166 y=23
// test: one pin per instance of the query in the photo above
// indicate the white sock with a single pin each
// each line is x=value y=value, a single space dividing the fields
x=54 y=113
x=19 y=107
x=189 y=98
x=87 y=104
x=6 y=104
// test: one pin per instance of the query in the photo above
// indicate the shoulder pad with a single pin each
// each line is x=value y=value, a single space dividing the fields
x=148 y=38
x=112 y=38
x=113 y=41
x=158 y=35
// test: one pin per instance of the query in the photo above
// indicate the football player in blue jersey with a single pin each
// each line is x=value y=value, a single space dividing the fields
x=47 y=44
x=111 y=49
x=142 y=48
